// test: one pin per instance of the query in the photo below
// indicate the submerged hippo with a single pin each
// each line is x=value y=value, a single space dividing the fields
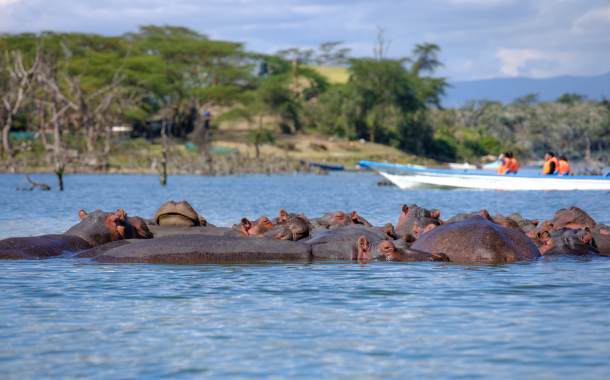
x=95 y=229
x=203 y=249
x=387 y=251
x=415 y=221
x=478 y=239
x=565 y=241
x=247 y=228
x=178 y=214
x=573 y=218
x=294 y=229
x=340 y=219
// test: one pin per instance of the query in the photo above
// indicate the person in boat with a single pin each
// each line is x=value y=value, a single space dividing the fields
x=564 y=167
x=503 y=163
x=551 y=165
x=512 y=166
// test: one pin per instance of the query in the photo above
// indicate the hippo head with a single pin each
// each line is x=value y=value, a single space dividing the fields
x=260 y=226
x=507 y=222
x=420 y=231
x=99 y=227
x=178 y=214
x=285 y=217
x=139 y=227
x=385 y=250
x=566 y=241
x=414 y=220
x=573 y=218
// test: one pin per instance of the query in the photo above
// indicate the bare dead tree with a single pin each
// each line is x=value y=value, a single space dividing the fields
x=165 y=148
x=56 y=106
x=15 y=93
x=381 y=47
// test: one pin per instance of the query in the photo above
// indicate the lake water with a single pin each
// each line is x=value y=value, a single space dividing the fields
x=73 y=319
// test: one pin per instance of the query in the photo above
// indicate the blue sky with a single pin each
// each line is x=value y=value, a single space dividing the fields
x=479 y=38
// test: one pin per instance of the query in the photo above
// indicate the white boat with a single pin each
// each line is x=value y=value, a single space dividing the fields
x=409 y=177
x=465 y=165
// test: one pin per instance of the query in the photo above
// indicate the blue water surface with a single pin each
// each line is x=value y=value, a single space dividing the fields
x=64 y=318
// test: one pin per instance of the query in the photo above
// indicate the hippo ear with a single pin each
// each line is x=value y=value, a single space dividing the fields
x=283 y=214
x=405 y=208
x=535 y=222
x=302 y=216
x=202 y=221
x=83 y=214
x=435 y=214
x=363 y=249
x=442 y=222
x=234 y=226
x=362 y=243
x=246 y=223
x=354 y=216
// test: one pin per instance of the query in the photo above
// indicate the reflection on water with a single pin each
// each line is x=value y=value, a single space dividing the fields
x=63 y=318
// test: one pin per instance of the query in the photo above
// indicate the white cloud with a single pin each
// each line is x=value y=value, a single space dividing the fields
x=4 y=3
x=514 y=59
x=591 y=16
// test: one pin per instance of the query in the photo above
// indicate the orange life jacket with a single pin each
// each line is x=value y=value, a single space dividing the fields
x=503 y=167
x=546 y=169
x=564 y=168
x=514 y=166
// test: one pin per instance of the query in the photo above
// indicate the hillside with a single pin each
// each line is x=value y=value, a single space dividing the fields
x=506 y=90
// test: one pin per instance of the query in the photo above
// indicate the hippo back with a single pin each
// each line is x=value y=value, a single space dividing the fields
x=349 y=233
x=477 y=239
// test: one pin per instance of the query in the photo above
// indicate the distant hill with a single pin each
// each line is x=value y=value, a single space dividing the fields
x=506 y=90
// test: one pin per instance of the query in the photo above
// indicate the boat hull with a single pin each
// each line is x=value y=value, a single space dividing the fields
x=407 y=177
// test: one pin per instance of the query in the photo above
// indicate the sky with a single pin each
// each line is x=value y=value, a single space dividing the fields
x=479 y=39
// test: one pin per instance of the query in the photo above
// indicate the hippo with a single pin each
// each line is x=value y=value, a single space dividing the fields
x=285 y=216
x=601 y=241
x=247 y=228
x=573 y=218
x=601 y=228
x=503 y=221
x=389 y=230
x=295 y=228
x=159 y=231
x=349 y=233
x=178 y=214
x=387 y=251
x=478 y=239
x=204 y=249
x=462 y=217
x=341 y=219
x=526 y=224
x=348 y=251
x=414 y=220
x=566 y=241
x=95 y=229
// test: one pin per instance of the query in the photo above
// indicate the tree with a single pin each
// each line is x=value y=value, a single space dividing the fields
x=15 y=92
x=568 y=98
x=526 y=100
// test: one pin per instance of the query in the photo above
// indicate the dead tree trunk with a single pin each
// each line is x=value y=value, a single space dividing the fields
x=165 y=147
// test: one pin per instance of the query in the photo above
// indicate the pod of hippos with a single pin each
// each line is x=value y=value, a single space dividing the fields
x=180 y=235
